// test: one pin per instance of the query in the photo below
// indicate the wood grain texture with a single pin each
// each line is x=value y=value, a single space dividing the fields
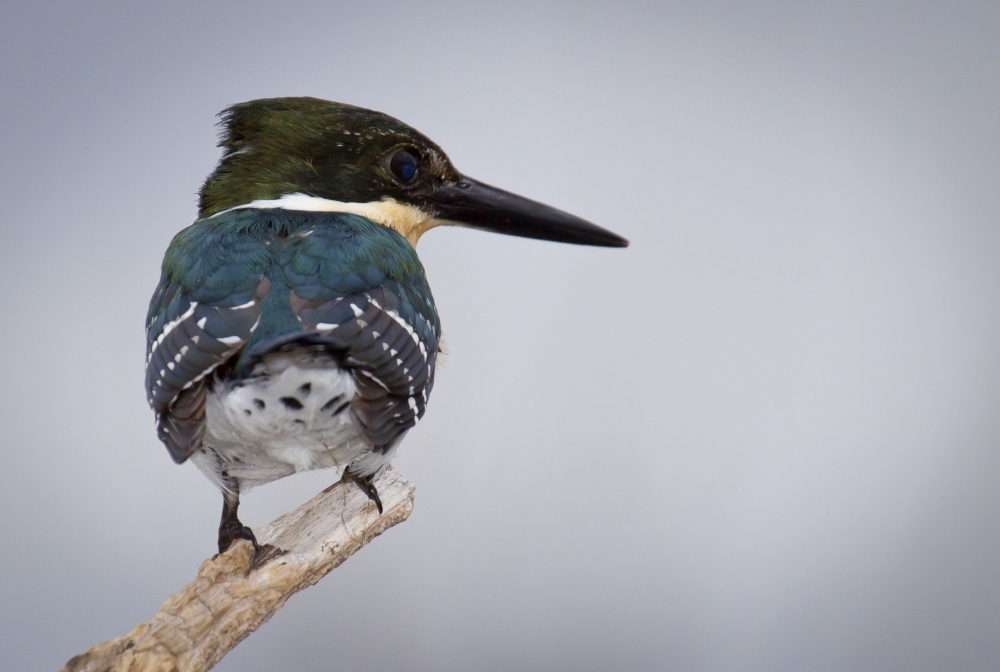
x=237 y=591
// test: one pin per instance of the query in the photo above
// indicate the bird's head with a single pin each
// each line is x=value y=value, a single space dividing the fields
x=311 y=154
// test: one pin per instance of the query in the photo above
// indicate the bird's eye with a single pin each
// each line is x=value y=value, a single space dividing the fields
x=403 y=165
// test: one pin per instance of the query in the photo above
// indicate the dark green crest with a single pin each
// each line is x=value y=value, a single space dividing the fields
x=281 y=146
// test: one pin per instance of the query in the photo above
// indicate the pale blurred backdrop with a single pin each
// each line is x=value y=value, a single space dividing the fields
x=763 y=437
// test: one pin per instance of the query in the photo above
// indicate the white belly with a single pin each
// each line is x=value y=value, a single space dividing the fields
x=292 y=415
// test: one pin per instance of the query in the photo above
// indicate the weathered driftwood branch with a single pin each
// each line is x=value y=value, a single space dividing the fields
x=237 y=591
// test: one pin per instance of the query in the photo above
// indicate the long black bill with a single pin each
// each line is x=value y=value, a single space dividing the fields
x=484 y=207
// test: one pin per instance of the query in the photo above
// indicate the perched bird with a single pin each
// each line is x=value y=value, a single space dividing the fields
x=293 y=327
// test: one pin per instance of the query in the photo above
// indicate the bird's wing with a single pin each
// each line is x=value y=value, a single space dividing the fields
x=202 y=312
x=360 y=287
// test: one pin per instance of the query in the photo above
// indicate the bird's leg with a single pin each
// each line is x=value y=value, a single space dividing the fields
x=231 y=529
x=367 y=485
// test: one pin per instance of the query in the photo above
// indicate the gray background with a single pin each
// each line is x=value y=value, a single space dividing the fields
x=764 y=437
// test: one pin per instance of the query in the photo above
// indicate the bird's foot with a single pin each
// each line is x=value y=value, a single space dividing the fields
x=230 y=531
x=367 y=485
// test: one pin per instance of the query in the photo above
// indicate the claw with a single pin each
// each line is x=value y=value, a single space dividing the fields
x=367 y=485
x=230 y=533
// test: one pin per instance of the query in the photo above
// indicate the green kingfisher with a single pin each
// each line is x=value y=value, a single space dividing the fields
x=293 y=327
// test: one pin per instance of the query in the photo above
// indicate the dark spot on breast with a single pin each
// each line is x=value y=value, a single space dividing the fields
x=246 y=411
x=305 y=389
x=328 y=405
x=259 y=403
x=300 y=422
x=291 y=403
x=341 y=408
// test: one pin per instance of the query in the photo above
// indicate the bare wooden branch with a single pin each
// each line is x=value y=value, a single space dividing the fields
x=237 y=591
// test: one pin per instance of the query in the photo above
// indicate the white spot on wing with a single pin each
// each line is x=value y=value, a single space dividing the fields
x=379 y=382
x=173 y=324
x=406 y=325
